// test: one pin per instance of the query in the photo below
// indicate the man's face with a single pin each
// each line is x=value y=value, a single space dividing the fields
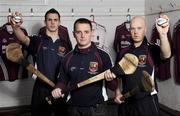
x=52 y=22
x=138 y=30
x=83 y=34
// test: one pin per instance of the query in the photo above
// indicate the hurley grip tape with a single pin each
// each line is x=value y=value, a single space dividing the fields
x=117 y=70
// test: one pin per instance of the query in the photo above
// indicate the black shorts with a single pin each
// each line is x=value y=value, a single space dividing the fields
x=96 y=110
x=147 y=106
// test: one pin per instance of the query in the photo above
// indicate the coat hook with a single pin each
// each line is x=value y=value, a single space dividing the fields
x=128 y=10
x=151 y=8
x=128 y=16
x=110 y=12
x=92 y=10
x=171 y=5
x=9 y=11
x=32 y=12
x=161 y=10
x=72 y=12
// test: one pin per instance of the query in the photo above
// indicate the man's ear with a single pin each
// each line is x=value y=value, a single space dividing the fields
x=145 y=29
x=74 y=34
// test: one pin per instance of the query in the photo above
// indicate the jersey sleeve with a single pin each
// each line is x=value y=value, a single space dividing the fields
x=116 y=43
x=107 y=64
x=34 y=45
x=62 y=76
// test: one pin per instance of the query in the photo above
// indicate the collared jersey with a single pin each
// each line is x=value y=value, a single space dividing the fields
x=63 y=34
x=79 y=65
x=149 y=57
x=48 y=55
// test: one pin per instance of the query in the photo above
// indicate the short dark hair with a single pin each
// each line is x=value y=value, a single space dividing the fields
x=53 y=11
x=82 y=20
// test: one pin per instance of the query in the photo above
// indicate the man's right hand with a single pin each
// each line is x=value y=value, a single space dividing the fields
x=16 y=19
x=109 y=76
x=57 y=93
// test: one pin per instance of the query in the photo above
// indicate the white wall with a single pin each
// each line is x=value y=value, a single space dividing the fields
x=19 y=92
x=169 y=93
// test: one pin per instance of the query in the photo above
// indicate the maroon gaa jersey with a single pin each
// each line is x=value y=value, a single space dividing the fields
x=163 y=70
x=176 y=43
x=9 y=71
x=122 y=37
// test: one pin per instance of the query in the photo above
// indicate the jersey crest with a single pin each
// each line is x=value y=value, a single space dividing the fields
x=142 y=60
x=93 y=66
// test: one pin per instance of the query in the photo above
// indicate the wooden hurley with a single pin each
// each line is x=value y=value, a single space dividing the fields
x=146 y=84
x=127 y=65
x=14 y=54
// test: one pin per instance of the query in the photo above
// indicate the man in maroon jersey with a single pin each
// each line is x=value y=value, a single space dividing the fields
x=9 y=70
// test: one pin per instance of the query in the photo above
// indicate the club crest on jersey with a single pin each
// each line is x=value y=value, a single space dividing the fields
x=123 y=36
x=142 y=60
x=4 y=40
x=93 y=67
x=61 y=50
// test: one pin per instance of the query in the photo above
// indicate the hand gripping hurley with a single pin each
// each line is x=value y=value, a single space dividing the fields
x=127 y=65
x=145 y=85
x=14 y=54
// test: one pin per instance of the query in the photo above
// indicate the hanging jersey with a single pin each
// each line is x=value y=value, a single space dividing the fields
x=98 y=35
x=122 y=37
x=163 y=70
x=9 y=70
x=176 y=41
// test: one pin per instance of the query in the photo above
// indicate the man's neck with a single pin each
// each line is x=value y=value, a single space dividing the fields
x=137 y=44
x=84 y=47
x=53 y=35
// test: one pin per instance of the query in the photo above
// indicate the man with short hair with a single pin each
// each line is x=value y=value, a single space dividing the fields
x=150 y=56
x=84 y=62
x=48 y=51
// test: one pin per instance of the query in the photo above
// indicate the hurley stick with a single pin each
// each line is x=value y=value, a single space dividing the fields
x=127 y=65
x=146 y=84
x=14 y=53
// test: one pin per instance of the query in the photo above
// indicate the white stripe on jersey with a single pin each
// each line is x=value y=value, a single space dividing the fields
x=104 y=92
x=4 y=69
